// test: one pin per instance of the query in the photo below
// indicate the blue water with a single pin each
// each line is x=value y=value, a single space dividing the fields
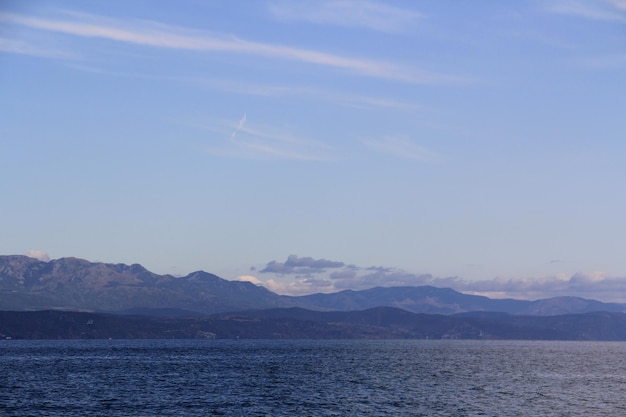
x=311 y=378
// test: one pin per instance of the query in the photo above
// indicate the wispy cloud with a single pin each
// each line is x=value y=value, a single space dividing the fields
x=609 y=10
x=240 y=125
x=606 y=62
x=26 y=48
x=401 y=147
x=597 y=285
x=620 y=4
x=242 y=87
x=154 y=34
x=366 y=14
x=336 y=97
x=261 y=142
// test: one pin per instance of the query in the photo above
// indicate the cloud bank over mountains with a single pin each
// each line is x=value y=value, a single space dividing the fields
x=306 y=275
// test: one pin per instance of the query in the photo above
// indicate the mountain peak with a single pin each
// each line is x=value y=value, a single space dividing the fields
x=74 y=283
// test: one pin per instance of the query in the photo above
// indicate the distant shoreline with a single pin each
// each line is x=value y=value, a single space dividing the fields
x=376 y=323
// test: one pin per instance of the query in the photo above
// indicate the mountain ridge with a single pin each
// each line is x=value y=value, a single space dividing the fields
x=76 y=284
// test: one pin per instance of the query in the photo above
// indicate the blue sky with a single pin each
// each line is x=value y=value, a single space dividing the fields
x=314 y=146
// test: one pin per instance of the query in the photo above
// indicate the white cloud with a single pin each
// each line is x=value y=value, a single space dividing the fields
x=38 y=254
x=300 y=286
x=591 y=285
x=366 y=14
x=154 y=34
x=588 y=277
x=25 y=48
x=249 y=278
x=240 y=125
x=595 y=285
x=261 y=142
x=609 y=10
x=401 y=147
x=344 y=99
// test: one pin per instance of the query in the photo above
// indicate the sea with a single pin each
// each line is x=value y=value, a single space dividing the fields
x=311 y=378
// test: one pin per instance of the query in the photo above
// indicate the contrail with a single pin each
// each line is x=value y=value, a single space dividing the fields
x=240 y=126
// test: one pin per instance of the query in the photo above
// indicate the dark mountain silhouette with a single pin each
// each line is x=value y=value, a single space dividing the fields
x=297 y=323
x=422 y=299
x=433 y=300
x=76 y=284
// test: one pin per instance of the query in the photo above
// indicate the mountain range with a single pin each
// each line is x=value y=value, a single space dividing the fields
x=72 y=284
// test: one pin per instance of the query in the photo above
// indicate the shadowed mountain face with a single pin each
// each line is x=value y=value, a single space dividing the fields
x=76 y=284
x=423 y=299
x=432 y=300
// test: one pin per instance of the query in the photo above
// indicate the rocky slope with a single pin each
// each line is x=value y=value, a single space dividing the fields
x=76 y=284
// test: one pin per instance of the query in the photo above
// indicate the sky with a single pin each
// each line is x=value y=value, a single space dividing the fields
x=317 y=146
